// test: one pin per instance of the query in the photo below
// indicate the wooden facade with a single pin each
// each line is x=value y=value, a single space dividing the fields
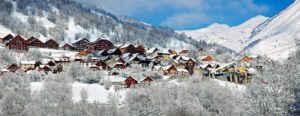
x=102 y=65
x=147 y=81
x=140 y=49
x=51 y=44
x=130 y=82
x=13 y=68
x=18 y=43
x=102 y=44
x=128 y=49
x=67 y=46
x=35 y=43
x=82 y=44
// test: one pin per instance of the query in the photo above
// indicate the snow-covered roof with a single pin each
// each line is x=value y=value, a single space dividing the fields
x=167 y=67
x=4 y=70
x=125 y=45
x=165 y=51
x=28 y=62
x=182 y=70
x=203 y=66
x=115 y=79
x=253 y=56
x=252 y=70
x=150 y=51
x=111 y=50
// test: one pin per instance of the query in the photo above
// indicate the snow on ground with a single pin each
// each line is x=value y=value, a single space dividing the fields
x=234 y=38
x=231 y=86
x=95 y=92
x=4 y=31
x=56 y=53
x=277 y=37
x=74 y=29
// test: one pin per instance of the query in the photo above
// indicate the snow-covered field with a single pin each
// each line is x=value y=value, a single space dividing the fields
x=56 y=53
x=96 y=92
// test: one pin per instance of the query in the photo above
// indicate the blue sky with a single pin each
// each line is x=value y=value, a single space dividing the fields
x=191 y=14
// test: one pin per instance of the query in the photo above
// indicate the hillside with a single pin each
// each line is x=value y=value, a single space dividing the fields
x=276 y=37
x=279 y=36
x=234 y=38
x=68 y=21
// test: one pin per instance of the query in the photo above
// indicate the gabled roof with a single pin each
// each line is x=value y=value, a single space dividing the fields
x=100 y=39
x=51 y=40
x=33 y=40
x=28 y=62
x=81 y=40
x=17 y=37
x=30 y=39
x=112 y=50
x=165 y=51
x=152 y=50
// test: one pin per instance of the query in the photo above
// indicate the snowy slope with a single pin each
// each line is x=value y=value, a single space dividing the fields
x=96 y=92
x=235 y=38
x=53 y=21
x=278 y=36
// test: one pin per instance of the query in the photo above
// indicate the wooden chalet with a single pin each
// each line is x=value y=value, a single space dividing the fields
x=68 y=46
x=13 y=68
x=147 y=81
x=51 y=44
x=208 y=58
x=51 y=63
x=170 y=70
x=130 y=82
x=140 y=49
x=102 y=44
x=18 y=43
x=27 y=65
x=33 y=42
x=165 y=54
x=7 y=38
x=102 y=65
x=128 y=48
x=82 y=44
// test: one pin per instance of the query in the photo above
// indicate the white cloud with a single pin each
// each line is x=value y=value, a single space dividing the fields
x=186 y=12
x=181 y=21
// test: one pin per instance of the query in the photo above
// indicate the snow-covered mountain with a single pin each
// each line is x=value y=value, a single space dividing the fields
x=234 y=38
x=275 y=37
x=68 y=21
x=278 y=36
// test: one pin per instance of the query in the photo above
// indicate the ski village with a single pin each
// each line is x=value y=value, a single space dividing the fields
x=118 y=60
x=82 y=58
